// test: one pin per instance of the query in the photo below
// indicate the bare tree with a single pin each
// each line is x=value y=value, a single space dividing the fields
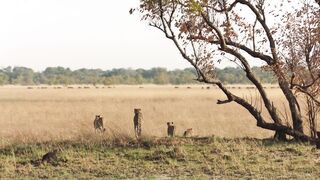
x=207 y=32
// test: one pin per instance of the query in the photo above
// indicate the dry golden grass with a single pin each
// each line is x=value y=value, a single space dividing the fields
x=36 y=115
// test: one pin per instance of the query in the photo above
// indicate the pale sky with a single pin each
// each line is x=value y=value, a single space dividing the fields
x=81 y=34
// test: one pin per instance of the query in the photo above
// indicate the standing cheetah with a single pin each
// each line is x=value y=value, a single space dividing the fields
x=137 y=121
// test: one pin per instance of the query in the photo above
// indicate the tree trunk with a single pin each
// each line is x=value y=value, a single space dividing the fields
x=293 y=105
x=280 y=136
x=281 y=130
x=312 y=116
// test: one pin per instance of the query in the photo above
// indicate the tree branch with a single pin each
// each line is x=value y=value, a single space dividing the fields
x=271 y=109
x=263 y=23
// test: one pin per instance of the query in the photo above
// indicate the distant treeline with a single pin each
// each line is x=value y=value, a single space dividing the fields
x=65 y=76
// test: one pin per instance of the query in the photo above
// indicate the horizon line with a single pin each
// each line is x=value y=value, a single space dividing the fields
x=126 y=68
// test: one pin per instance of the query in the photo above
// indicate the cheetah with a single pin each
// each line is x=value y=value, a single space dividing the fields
x=188 y=133
x=98 y=124
x=137 y=121
x=170 y=130
x=50 y=156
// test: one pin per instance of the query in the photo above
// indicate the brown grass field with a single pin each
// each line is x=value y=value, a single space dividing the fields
x=37 y=120
x=36 y=115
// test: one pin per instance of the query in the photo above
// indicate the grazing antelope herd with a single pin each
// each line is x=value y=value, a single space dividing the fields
x=137 y=125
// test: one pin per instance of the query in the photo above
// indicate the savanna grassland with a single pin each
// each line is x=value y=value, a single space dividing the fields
x=36 y=120
x=35 y=115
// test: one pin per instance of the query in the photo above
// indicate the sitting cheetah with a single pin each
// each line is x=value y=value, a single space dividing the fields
x=170 y=130
x=188 y=133
x=98 y=124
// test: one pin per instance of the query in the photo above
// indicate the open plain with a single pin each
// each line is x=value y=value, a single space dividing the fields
x=42 y=114
x=36 y=120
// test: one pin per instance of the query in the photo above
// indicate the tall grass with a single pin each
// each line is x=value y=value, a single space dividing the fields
x=37 y=115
